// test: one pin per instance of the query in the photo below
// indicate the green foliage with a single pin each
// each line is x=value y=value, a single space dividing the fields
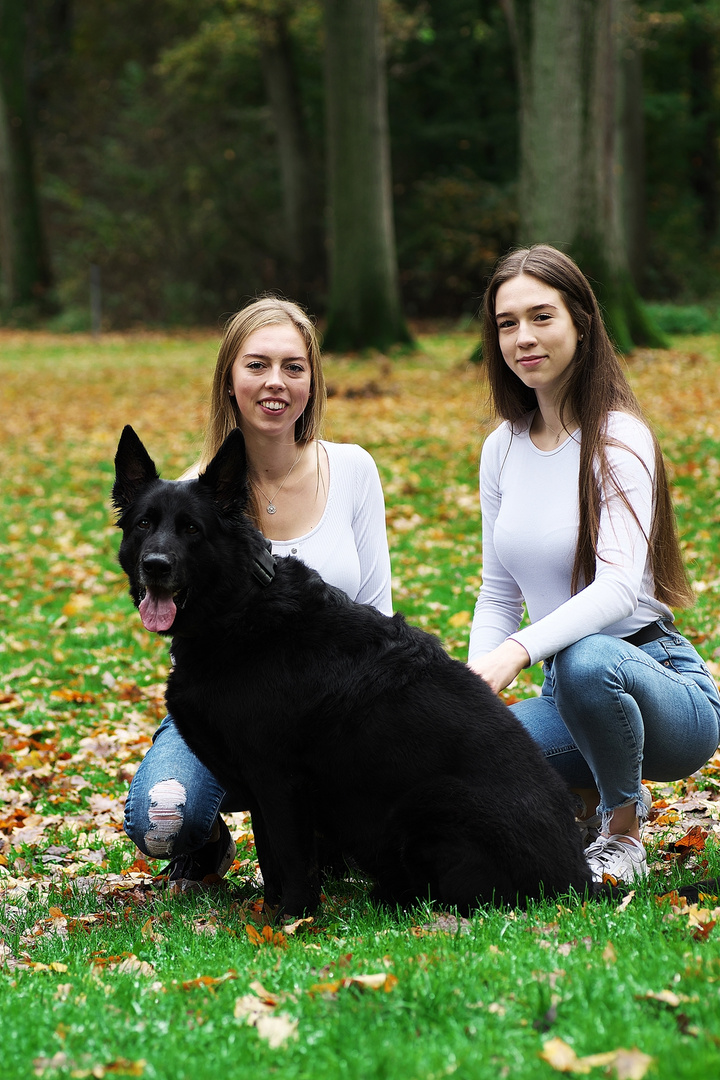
x=684 y=319
x=682 y=112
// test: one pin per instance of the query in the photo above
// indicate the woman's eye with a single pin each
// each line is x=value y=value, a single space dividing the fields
x=506 y=324
x=544 y=316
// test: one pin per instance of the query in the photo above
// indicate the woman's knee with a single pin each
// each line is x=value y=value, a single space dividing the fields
x=588 y=683
x=167 y=820
x=586 y=663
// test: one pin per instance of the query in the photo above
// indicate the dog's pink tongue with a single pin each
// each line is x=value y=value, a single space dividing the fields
x=157 y=612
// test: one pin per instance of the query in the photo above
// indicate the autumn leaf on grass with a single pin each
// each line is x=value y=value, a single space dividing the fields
x=702 y=921
x=665 y=997
x=119 y=1067
x=209 y=982
x=625 y=1064
x=290 y=928
x=55 y=965
x=124 y=963
x=76 y=697
x=138 y=866
x=266 y=936
x=626 y=900
x=259 y=1012
x=609 y=954
x=380 y=981
x=460 y=618
x=694 y=840
x=443 y=923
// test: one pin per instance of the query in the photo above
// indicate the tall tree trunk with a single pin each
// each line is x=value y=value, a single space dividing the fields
x=632 y=143
x=364 y=297
x=302 y=203
x=549 y=43
x=24 y=271
x=579 y=185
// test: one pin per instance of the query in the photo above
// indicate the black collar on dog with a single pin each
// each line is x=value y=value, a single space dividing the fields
x=264 y=565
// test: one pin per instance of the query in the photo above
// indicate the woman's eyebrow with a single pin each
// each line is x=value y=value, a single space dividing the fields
x=262 y=356
x=535 y=307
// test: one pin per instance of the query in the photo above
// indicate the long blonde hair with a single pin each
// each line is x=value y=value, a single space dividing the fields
x=224 y=414
x=595 y=387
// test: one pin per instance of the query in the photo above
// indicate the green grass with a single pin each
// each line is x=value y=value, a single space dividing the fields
x=81 y=692
x=479 y=1003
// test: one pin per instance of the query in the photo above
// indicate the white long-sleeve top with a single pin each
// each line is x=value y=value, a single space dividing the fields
x=348 y=547
x=529 y=501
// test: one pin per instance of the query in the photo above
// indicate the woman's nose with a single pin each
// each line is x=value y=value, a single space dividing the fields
x=526 y=334
x=274 y=377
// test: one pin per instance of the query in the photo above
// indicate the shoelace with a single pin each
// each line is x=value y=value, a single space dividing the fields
x=613 y=856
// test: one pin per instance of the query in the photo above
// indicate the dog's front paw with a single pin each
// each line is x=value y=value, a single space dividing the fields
x=296 y=905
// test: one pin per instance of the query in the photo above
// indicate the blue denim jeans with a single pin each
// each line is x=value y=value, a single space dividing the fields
x=611 y=714
x=173 y=799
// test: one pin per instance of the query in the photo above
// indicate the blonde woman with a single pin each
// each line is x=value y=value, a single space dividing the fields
x=321 y=502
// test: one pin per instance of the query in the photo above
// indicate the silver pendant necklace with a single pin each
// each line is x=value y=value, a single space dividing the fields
x=271 y=508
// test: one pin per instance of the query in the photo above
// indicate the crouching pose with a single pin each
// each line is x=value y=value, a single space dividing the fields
x=578 y=526
x=319 y=501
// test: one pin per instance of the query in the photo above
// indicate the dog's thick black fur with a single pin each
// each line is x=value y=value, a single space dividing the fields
x=332 y=718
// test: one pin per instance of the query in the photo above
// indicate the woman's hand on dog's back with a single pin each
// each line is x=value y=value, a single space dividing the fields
x=502 y=666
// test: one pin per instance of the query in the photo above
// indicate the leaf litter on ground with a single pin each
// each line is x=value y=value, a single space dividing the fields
x=81 y=685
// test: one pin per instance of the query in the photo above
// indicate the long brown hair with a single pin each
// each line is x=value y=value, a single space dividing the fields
x=224 y=414
x=595 y=386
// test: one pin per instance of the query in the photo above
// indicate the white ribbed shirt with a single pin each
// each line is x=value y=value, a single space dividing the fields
x=348 y=547
x=529 y=500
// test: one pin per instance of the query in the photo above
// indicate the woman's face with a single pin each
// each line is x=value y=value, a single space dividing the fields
x=537 y=336
x=271 y=380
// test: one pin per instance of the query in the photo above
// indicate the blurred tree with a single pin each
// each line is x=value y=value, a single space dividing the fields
x=25 y=277
x=364 y=295
x=298 y=163
x=580 y=162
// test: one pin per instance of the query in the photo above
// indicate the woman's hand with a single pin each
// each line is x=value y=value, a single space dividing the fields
x=501 y=666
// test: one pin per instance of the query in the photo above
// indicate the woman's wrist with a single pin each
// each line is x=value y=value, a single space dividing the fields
x=501 y=667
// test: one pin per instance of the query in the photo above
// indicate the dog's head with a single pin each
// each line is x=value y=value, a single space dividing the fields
x=176 y=534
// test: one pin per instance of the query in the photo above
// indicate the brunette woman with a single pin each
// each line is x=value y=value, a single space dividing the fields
x=578 y=529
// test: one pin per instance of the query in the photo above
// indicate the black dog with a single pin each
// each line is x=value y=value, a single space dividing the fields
x=332 y=718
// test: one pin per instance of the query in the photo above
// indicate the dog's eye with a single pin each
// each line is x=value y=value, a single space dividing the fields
x=143 y=524
x=191 y=528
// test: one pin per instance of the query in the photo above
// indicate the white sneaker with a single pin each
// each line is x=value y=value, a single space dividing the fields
x=622 y=859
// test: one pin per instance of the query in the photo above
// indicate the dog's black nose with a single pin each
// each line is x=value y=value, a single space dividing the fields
x=155 y=564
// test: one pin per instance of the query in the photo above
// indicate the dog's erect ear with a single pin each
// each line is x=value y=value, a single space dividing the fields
x=133 y=468
x=226 y=475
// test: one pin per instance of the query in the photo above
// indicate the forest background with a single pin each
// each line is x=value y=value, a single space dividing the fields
x=177 y=158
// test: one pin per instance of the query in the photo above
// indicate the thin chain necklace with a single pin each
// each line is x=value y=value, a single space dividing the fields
x=271 y=508
x=557 y=434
